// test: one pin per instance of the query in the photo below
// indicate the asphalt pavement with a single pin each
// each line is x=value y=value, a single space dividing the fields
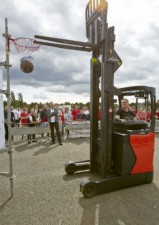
x=45 y=195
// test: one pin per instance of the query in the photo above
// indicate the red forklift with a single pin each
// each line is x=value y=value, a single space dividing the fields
x=122 y=156
x=120 y=153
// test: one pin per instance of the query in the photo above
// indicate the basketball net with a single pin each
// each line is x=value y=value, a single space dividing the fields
x=24 y=45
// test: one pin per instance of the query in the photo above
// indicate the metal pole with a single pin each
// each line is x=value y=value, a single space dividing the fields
x=11 y=176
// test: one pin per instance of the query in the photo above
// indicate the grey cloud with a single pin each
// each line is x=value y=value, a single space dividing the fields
x=78 y=88
x=151 y=37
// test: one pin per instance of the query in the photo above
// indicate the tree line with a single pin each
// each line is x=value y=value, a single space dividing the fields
x=20 y=103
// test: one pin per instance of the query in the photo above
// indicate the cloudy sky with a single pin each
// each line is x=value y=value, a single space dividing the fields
x=63 y=75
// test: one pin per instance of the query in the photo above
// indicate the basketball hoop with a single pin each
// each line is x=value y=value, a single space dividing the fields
x=24 y=45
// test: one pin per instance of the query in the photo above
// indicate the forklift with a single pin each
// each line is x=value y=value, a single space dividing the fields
x=120 y=153
x=128 y=159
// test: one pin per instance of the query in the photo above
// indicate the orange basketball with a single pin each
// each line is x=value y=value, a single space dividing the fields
x=26 y=66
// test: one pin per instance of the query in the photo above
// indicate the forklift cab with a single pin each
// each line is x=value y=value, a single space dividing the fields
x=127 y=160
x=133 y=141
x=139 y=97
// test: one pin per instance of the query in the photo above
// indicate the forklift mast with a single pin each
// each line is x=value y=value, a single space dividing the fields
x=100 y=34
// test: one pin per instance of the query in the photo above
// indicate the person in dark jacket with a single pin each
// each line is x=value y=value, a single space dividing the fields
x=53 y=119
x=125 y=114
x=6 y=121
x=81 y=116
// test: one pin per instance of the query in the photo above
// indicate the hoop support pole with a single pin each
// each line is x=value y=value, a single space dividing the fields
x=8 y=93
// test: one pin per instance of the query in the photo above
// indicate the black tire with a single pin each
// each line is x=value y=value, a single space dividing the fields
x=89 y=190
x=70 y=168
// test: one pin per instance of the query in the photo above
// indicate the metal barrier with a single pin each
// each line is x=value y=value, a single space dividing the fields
x=29 y=130
x=82 y=129
x=78 y=129
x=74 y=130
x=17 y=131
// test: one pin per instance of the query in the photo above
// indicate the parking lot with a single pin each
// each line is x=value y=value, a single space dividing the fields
x=45 y=195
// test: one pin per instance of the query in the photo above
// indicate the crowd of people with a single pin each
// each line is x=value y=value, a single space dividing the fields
x=49 y=115
x=52 y=114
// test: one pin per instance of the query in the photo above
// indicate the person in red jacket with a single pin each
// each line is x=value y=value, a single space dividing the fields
x=157 y=113
x=141 y=114
x=24 y=117
x=75 y=111
x=148 y=116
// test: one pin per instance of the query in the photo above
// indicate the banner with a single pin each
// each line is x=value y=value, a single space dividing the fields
x=2 y=131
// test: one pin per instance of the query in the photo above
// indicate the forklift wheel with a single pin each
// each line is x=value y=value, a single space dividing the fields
x=88 y=189
x=70 y=167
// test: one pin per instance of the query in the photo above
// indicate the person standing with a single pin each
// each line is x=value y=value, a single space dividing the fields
x=44 y=118
x=6 y=121
x=67 y=118
x=157 y=113
x=86 y=112
x=53 y=119
x=17 y=116
x=32 y=121
x=37 y=113
x=81 y=116
x=12 y=117
x=141 y=114
x=24 y=119
x=75 y=111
